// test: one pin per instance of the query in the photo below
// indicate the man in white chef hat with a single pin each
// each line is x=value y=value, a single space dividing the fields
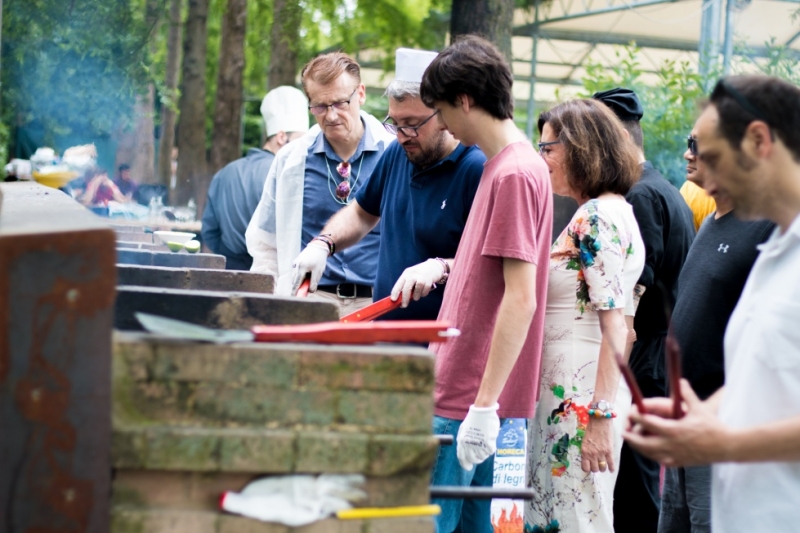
x=236 y=189
x=420 y=193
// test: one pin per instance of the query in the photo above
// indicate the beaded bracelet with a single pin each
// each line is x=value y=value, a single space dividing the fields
x=328 y=240
x=445 y=271
x=601 y=409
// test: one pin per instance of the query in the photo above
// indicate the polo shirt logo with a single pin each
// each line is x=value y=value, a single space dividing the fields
x=723 y=248
x=444 y=203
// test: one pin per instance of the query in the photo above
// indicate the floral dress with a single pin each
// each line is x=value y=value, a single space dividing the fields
x=594 y=265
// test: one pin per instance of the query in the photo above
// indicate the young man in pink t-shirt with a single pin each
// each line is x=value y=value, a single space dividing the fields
x=498 y=280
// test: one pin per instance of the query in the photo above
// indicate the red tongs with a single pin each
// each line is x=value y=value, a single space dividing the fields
x=373 y=311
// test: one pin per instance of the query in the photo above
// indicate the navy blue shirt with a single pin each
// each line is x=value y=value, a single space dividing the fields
x=232 y=199
x=423 y=213
x=357 y=264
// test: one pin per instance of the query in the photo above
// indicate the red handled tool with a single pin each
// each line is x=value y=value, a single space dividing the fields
x=674 y=374
x=302 y=290
x=373 y=311
x=358 y=332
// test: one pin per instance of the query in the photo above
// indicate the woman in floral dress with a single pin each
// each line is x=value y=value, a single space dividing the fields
x=573 y=447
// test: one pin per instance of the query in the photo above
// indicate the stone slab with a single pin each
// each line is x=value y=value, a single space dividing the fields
x=57 y=284
x=135 y=236
x=195 y=279
x=170 y=259
x=270 y=451
x=216 y=309
x=134 y=520
x=200 y=491
x=142 y=246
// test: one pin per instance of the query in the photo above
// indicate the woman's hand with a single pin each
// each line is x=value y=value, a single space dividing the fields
x=597 y=449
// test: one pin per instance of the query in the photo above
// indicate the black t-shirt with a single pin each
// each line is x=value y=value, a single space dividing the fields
x=667 y=227
x=708 y=289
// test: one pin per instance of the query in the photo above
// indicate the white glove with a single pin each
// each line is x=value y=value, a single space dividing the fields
x=311 y=260
x=477 y=436
x=419 y=278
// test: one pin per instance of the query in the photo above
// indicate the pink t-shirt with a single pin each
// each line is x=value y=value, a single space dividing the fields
x=512 y=216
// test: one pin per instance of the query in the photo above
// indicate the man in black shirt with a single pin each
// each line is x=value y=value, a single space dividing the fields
x=667 y=228
x=709 y=286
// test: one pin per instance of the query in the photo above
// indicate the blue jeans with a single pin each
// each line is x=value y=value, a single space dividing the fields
x=686 y=500
x=460 y=516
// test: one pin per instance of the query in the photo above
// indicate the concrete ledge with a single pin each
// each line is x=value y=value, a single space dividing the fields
x=270 y=451
x=226 y=310
x=170 y=259
x=195 y=278
x=126 y=519
x=142 y=246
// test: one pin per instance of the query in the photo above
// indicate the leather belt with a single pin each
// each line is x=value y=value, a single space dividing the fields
x=348 y=290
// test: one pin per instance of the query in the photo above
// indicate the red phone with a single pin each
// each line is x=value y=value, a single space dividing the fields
x=674 y=375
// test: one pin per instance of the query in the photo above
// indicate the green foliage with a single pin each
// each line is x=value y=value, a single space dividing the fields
x=75 y=67
x=670 y=105
x=779 y=61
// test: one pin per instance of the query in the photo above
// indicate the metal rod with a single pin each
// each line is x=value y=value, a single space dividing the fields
x=444 y=440
x=728 y=51
x=480 y=493
x=532 y=80
x=605 y=10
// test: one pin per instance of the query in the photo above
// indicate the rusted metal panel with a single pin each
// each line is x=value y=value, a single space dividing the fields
x=57 y=289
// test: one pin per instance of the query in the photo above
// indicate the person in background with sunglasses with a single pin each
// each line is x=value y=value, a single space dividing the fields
x=420 y=193
x=709 y=286
x=748 y=143
x=667 y=229
x=692 y=191
x=313 y=178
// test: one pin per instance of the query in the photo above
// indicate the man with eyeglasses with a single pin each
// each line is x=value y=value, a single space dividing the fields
x=420 y=194
x=709 y=286
x=316 y=176
x=748 y=142
x=667 y=228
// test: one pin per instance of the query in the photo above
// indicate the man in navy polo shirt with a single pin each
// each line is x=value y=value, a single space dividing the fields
x=420 y=193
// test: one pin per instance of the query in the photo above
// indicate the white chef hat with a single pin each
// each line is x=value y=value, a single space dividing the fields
x=410 y=64
x=285 y=108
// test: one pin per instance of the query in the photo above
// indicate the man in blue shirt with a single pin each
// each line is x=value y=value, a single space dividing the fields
x=419 y=195
x=235 y=190
x=316 y=176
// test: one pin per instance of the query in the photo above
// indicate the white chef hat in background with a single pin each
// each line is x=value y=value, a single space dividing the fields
x=285 y=108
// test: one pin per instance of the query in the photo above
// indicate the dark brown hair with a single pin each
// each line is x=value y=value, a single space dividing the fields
x=598 y=157
x=474 y=67
x=740 y=100
x=325 y=68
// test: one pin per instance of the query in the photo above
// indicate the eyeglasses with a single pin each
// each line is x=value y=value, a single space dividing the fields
x=408 y=131
x=343 y=105
x=692 y=144
x=724 y=87
x=544 y=145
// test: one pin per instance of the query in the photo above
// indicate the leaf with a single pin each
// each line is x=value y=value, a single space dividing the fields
x=558 y=391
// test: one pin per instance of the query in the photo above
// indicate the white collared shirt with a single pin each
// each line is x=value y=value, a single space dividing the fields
x=762 y=385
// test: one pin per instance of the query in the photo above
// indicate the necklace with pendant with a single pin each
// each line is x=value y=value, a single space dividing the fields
x=342 y=191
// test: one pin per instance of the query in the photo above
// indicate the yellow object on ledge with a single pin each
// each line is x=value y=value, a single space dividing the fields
x=55 y=179
x=388 y=512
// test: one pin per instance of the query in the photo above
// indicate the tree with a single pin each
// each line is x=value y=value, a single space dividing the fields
x=169 y=93
x=492 y=19
x=227 y=137
x=285 y=42
x=192 y=166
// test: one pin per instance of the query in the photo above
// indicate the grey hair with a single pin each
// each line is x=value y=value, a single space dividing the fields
x=400 y=90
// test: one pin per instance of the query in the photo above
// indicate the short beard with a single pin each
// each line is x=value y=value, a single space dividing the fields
x=429 y=156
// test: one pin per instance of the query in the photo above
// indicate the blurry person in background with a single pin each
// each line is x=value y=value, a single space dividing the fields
x=125 y=182
x=236 y=189
x=692 y=191
x=99 y=189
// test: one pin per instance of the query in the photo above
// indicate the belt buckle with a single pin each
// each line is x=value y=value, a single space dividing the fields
x=343 y=297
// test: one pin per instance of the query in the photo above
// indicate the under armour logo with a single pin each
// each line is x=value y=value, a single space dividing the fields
x=444 y=204
x=723 y=248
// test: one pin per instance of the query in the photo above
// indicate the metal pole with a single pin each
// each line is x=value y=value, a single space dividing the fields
x=709 y=38
x=532 y=79
x=728 y=52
